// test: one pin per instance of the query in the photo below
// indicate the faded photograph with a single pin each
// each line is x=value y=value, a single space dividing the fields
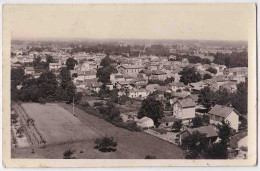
x=117 y=82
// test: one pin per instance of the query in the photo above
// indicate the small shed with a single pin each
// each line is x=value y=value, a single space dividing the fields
x=145 y=123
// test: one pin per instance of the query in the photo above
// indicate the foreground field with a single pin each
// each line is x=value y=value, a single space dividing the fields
x=56 y=124
x=131 y=145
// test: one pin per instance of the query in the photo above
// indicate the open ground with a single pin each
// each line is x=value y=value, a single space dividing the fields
x=131 y=145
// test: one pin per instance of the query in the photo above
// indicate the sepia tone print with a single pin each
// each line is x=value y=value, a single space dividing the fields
x=115 y=82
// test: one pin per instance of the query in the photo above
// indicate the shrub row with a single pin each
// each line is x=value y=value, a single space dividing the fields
x=100 y=112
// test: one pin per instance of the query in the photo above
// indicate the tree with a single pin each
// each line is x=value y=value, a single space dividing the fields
x=71 y=63
x=216 y=151
x=105 y=144
x=239 y=99
x=207 y=97
x=68 y=154
x=197 y=122
x=189 y=75
x=20 y=131
x=113 y=113
x=207 y=76
x=212 y=70
x=49 y=59
x=47 y=85
x=195 y=144
x=223 y=97
x=206 y=119
x=225 y=132
x=17 y=76
x=103 y=74
x=105 y=62
x=67 y=88
x=151 y=108
x=177 y=125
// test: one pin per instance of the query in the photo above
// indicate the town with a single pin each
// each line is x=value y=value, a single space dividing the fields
x=129 y=99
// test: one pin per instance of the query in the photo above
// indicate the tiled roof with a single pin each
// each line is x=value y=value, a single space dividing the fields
x=209 y=130
x=222 y=111
x=185 y=103
x=168 y=119
x=132 y=66
x=29 y=68
x=177 y=84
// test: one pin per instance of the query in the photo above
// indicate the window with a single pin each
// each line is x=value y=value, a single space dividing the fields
x=166 y=124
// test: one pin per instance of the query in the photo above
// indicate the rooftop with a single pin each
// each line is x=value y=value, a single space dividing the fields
x=209 y=130
x=222 y=111
x=185 y=103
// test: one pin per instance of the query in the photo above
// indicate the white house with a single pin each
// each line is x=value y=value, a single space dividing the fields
x=54 y=66
x=176 y=86
x=131 y=70
x=138 y=93
x=219 y=113
x=29 y=70
x=184 y=109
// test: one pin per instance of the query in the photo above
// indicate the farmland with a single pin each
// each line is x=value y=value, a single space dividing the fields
x=57 y=125
x=131 y=145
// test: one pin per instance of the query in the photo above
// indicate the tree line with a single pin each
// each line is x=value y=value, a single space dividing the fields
x=47 y=88
x=209 y=98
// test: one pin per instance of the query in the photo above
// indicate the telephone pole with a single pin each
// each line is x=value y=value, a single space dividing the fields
x=73 y=107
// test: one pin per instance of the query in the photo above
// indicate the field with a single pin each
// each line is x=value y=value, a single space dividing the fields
x=131 y=145
x=56 y=124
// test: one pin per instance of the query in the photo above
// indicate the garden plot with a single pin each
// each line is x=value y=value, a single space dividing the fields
x=56 y=125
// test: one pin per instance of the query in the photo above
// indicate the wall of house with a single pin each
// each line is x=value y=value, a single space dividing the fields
x=188 y=113
x=233 y=118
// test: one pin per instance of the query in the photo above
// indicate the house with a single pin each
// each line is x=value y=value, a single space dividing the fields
x=36 y=75
x=152 y=87
x=131 y=70
x=219 y=113
x=167 y=121
x=194 y=97
x=176 y=76
x=54 y=66
x=210 y=131
x=138 y=93
x=196 y=87
x=26 y=59
x=145 y=123
x=116 y=77
x=15 y=66
x=158 y=75
x=139 y=82
x=184 y=109
x=176 y=86
x=90 y=75
x=185 y=62
x=29 y=70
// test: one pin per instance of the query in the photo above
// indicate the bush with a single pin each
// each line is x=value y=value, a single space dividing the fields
x=105 y=144
x=129 y=125
x=243 y=148
x=84 y=104
x=102 y=109
x=98 y=104
x=150 y=157
x=42 y=100
x=68 y=154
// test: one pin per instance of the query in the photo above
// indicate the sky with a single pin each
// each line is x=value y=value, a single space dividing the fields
x=179 y=21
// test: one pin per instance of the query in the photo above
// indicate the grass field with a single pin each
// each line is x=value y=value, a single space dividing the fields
x=56 y=124
x=131 y=145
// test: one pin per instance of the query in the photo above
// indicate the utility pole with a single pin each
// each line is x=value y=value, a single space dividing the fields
x=73 y=107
